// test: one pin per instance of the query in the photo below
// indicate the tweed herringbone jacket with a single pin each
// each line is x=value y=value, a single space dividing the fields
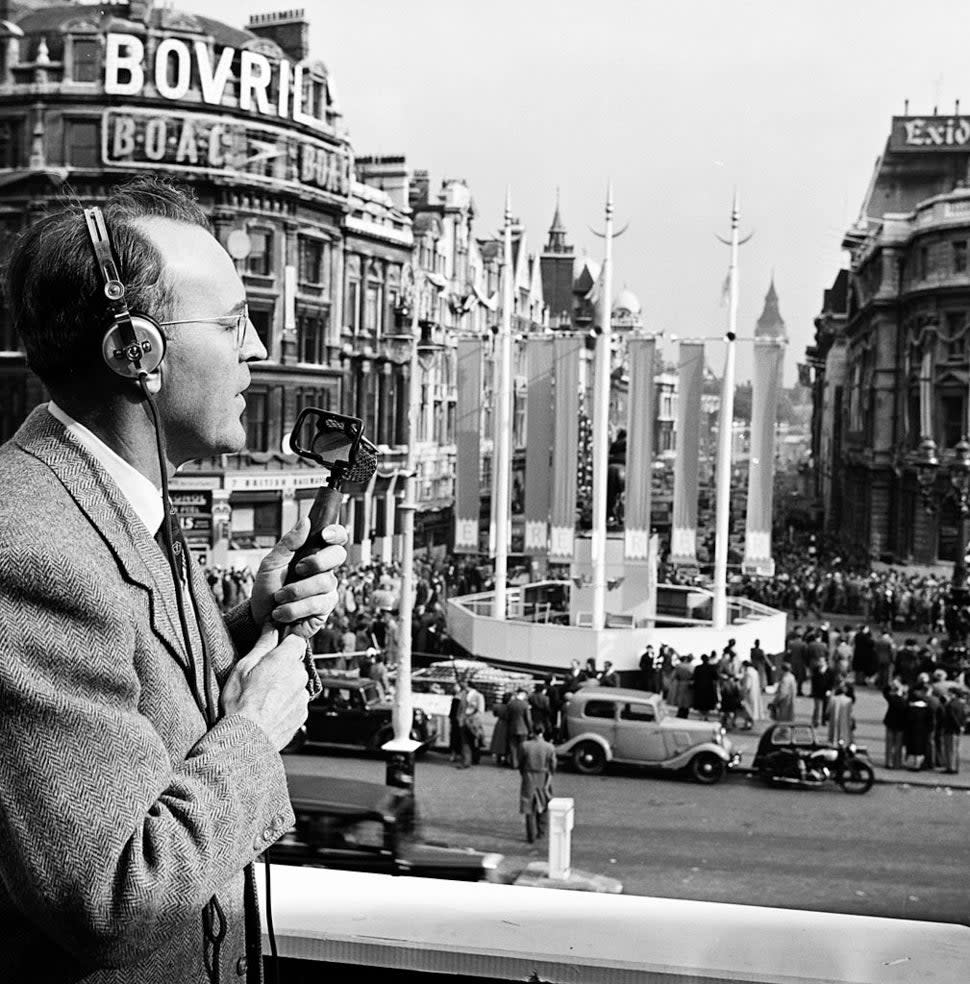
x=121 y=814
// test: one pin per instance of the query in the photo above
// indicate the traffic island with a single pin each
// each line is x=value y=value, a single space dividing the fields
x=557 y=871
x=536 y=875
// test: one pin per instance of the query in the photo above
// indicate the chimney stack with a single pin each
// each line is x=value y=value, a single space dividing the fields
x=288 y=28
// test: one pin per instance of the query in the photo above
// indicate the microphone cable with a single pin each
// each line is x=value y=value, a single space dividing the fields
x=214 y=924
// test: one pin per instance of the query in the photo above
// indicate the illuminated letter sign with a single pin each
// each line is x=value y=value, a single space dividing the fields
x=171 y=72
x=123 y=54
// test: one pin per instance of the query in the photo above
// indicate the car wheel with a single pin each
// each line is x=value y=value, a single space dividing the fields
x=706 y=768
x=296 y=742
x=589 y=758
x=858 y=777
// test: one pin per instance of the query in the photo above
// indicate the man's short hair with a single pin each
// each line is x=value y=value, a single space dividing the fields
x=55 y=292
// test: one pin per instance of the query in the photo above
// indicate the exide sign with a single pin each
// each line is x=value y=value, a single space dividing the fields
x=930 y=133
x=171 y=71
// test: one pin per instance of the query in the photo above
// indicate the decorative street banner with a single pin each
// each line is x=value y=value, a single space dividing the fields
x=538 y=442
x=690 y=372
x=567 y=351
x=768 y=357
x=639 y=449
x=468 y=437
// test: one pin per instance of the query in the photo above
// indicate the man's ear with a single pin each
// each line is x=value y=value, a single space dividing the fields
x=153 y=381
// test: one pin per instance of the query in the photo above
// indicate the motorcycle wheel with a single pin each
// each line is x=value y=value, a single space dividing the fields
x=857 y=777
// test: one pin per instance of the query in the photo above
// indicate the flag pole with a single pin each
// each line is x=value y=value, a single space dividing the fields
x=601 y=426
x=725 y=434
x=502 y=457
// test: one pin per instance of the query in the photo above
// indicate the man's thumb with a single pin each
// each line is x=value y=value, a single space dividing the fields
x=266 y=642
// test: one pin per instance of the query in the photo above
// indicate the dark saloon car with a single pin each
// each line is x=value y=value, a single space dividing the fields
x=350 y=712
x=365 y=826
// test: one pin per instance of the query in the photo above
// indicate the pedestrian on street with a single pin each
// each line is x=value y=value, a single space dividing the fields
x=841 y=722
x=918 y=731
x=796 y=657
x=682 y=686
x=518 y=724
x=454 y=723
x=541 y=706
x=953 y=719
x=650 y=663
x=499 y=744
x=705 y=687
x=752 y=699
x=471 y=724
x=537 y=763
x=821 y=683
x=609 y=677
x=782 y=704
x=896 y=695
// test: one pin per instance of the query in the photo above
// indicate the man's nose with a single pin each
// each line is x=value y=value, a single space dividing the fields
x=253 y=349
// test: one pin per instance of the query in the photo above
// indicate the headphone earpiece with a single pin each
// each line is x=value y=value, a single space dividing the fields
x=133 y=344
x=130 y=358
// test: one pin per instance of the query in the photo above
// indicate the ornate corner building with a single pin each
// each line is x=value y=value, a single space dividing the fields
x=332 y=251
x=892 y=356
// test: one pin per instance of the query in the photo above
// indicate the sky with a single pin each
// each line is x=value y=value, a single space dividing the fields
x=677 y=104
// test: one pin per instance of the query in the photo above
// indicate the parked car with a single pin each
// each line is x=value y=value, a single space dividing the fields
x=632 y=726
x=350 y=712
x=366 y=826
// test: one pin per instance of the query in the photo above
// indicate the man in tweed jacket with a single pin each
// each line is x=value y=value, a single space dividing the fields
x=125 y=816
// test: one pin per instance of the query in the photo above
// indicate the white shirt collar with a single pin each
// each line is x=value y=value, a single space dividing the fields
x=145 y=499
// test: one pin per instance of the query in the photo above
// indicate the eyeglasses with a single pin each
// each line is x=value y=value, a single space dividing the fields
x=239 y=322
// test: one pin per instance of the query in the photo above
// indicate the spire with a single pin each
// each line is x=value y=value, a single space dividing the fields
x=556 y=242
x=771 y=324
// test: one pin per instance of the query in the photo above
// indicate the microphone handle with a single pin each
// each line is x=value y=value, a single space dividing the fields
x=324 y=512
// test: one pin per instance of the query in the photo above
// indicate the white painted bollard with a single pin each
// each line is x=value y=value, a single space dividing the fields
x=561 y=818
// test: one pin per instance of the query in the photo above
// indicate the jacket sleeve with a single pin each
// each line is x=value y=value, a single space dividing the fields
x=109 y=842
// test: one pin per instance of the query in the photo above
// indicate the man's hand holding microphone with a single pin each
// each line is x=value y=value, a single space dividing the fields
x=268 y=685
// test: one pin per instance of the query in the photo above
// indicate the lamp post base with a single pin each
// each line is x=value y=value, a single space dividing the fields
x=399 y=753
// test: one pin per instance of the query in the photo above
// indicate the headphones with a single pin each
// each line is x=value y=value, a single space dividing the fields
x=133 y=344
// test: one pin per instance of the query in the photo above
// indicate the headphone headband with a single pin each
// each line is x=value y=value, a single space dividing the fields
x=125 y=352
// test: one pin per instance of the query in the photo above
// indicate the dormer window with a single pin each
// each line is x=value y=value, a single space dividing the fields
x=85 y=60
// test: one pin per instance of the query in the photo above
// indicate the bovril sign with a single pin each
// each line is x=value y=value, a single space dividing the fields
x=196 y=141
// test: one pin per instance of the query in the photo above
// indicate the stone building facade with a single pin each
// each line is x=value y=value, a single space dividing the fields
x=898 y=358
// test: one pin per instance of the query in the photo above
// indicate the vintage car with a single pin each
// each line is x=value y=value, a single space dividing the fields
x=605 y=724
x=366 y=826
x=349 y=711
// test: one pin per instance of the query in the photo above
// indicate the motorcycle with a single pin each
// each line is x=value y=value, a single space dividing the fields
x=789 y=755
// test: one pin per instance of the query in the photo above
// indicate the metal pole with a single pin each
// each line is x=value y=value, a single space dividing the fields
x=601 y=428
x=401 y=749
x=725 y=429
x=502 y=457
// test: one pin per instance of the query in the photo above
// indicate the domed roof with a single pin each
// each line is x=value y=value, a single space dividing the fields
x=627 y=301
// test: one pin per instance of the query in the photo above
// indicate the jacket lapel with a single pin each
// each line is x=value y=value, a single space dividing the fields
x=109 y=512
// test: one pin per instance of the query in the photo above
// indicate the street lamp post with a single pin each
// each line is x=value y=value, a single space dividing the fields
x=957 y=471
x=400 y=750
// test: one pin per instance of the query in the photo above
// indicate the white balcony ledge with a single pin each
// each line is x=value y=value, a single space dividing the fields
x=503 y=932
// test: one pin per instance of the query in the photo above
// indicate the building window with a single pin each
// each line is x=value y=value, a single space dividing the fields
x=953 y=412
x=372 y=309
x=11 y=143
x=314 y=260
x=960 y=256
x=260 y=259
x=257 y=420
x=262 y=319
x=82 y=143
x=956 y=340
x=84 y=53
x=312 y=337
x=924 y=262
